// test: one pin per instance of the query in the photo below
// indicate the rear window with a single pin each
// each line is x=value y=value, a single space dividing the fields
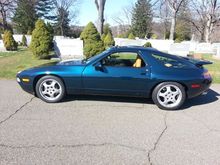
x=169 y=61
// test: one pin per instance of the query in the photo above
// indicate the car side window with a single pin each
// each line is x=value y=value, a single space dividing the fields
x=124 y=59
x=169 y=62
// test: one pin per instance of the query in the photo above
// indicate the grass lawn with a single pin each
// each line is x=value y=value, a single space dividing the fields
x=214 y=69
x=12 y=62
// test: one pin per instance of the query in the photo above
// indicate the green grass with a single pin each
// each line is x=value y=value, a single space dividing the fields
x=214 y=69
x=12 y=62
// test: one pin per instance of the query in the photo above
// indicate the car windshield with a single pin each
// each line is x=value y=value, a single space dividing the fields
x=88 y=60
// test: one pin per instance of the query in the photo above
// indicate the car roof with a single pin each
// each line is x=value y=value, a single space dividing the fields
x=133 y=48
x=149 y=49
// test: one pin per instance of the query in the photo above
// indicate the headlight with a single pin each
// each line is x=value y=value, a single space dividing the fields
x=18 y=79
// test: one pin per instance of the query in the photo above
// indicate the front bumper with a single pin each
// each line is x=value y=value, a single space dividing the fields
x=26 y=86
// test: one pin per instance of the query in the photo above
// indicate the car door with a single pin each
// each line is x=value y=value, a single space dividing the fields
x=116 y=74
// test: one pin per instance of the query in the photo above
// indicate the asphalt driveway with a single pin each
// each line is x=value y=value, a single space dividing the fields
x=107 y=130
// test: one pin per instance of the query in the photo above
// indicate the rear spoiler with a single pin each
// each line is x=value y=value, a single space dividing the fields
x=201 y=63
x=198 y=63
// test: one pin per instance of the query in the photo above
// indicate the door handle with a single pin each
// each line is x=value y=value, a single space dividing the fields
x=145 y=72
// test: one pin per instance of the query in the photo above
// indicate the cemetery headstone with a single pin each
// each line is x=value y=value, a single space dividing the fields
x=69 y=48
x=181 y=49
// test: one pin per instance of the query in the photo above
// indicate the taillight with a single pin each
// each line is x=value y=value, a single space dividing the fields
x=195 y=86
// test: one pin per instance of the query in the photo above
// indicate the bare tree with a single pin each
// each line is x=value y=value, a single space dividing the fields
x=174 y=6
x=124 y=16
x=100 y=5
x=65 y=11
x=123 y=19
x=6 y=6
x=206 y=17
x=164 y=16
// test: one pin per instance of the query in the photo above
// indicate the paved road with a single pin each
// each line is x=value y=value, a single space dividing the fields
x=106 y=130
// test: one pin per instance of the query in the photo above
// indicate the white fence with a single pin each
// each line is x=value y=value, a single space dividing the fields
x=73 y=48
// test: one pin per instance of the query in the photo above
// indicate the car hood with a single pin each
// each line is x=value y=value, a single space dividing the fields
x=59 y=63
x=54 y=66
x=62 y=63
x=71 y=62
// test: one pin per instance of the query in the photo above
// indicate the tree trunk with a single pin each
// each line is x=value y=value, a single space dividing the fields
x=208 y=30
x=202 y=38
x=100 y=4
x=173 y=27
x=4 y=21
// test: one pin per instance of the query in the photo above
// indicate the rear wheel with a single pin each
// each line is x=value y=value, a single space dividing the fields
x=169 y=95
x=50 y=89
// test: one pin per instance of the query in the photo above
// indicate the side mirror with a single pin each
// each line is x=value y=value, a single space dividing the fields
x=98 y=66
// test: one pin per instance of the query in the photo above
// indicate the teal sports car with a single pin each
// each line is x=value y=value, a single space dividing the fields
x=121 y=71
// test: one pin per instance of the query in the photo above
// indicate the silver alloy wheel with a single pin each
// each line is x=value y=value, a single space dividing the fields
x=169 y=96
x=50 y=89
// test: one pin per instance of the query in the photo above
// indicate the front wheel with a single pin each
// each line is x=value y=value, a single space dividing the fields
x=169 y=95
x=50 y=89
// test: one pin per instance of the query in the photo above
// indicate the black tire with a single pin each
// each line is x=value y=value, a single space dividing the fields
x=163 y=86
x=59 y=83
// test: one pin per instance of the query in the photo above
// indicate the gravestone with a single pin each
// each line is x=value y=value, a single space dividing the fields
x=68 y=48
x=18 y=38
x=2 y=47
x=181 y=49
x=192 y=44
x=162 y=45
x=215 y=47
x=127 y=42
x=218 y=53
x=204 y=48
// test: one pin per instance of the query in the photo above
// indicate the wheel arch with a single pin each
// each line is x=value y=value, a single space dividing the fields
x=38 y=77
x=181 y=83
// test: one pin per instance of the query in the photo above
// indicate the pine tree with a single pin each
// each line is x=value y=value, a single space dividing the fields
x=25 y=16
x=44 y=8
x=93 y=44
x=147 y=44
x=131 y=36
x=109 y=40
x=106 y=30
x=24 y=40
x=62 y=23
x=142 y=18
x=40 y=43
x=107 y=36
x=51 y=32
x=9 y=41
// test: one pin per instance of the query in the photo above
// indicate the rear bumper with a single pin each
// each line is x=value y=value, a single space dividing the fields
x=204 y=88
